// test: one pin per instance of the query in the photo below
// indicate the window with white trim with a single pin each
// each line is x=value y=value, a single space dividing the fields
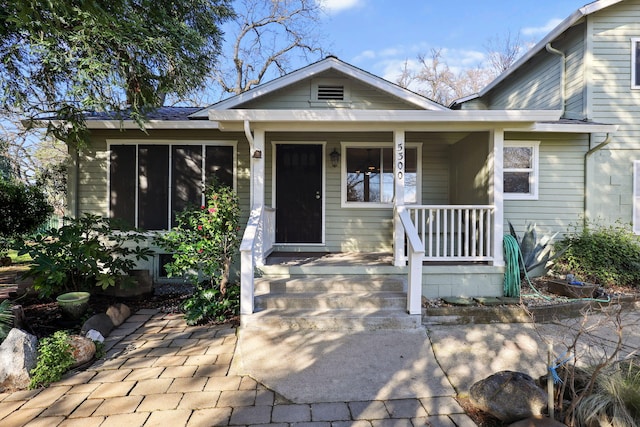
x=368 y=176
x=636 y=197
x=520 y=170
x=635 y=63
x=150 y=182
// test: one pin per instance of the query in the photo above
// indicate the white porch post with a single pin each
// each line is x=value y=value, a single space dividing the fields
x=257 y=176
x=496 y=144
x=398 y=173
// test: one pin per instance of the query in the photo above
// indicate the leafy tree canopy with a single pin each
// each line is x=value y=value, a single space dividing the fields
x=66 y=57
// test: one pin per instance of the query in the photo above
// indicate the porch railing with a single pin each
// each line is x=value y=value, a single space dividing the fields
x=455 y=232
x=415 y=253
x=257 y=243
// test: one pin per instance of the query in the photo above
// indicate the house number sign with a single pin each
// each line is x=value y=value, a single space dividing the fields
x=400 y=161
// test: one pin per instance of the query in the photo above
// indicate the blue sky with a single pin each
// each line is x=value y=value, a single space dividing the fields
x=379 y=35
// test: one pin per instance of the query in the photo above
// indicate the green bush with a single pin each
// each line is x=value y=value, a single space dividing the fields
x=54 y=359
x=203 y=245
x=22 y=209
x=86 y=252
x=607 y=255
x=6 y=319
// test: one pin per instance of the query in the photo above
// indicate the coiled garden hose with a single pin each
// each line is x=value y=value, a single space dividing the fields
x=511 y=287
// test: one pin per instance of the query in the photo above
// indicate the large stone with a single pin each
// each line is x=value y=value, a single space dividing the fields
x=82 y=349
x=509 y=396
x=100 y=322
x=118 y=313
x=537 y=422
x=18 y=356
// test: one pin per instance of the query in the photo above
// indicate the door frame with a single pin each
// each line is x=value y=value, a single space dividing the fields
x=274 y=148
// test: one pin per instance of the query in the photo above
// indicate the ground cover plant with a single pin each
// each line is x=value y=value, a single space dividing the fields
x=203 y=245
x=604 y=254
x=54 y=359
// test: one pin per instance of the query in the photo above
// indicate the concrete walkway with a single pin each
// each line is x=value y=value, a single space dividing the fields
x=159 y=372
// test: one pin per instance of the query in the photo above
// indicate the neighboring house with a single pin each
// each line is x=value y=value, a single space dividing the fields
x=332 y=159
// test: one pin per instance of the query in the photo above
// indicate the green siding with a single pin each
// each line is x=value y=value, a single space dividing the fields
x=561 y=184
x=298 y=97
x=613 y=101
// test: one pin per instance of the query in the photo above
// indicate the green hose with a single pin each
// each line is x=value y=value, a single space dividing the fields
x=513 y=258
x=511 y=287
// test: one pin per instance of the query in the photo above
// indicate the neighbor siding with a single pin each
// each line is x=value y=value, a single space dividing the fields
x=613 y=101
x=299 y=95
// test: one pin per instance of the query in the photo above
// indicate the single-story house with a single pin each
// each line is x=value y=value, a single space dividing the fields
x=342 y=174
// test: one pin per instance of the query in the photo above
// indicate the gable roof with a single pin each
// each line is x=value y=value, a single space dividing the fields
x=563 y=26
x=329 y=63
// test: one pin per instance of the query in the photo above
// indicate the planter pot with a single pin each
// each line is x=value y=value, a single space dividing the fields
x=74 y=304
x=585 y=290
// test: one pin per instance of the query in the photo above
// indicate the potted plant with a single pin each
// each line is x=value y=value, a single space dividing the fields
x=74 y=304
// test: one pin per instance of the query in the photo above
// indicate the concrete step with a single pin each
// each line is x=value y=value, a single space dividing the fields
x=332 y=300
x=331 y=320
x=330 y=283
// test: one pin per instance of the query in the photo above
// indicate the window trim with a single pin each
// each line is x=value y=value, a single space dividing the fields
x=170 y=143
x=377 y=205
x=634 y=61
x=534 y=177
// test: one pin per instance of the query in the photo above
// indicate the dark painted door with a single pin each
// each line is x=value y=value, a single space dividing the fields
x=298 y=193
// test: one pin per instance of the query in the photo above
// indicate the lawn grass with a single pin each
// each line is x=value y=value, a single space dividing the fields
x=19 y=259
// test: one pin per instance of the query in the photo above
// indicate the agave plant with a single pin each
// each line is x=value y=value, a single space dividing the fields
x=536 y=251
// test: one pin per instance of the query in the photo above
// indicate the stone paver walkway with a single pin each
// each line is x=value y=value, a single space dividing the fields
x=159 y=372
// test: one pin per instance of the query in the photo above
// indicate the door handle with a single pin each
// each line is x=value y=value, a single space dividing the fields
x=318 y=195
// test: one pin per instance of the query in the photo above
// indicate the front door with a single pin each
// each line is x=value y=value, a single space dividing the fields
x=298 y=193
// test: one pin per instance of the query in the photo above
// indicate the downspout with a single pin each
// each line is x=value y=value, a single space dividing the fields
x=588 y=154
x=249 y=136
x=563 y=76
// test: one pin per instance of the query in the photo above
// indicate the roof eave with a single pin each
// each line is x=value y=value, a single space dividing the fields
x=152 y=124
x=563 y=26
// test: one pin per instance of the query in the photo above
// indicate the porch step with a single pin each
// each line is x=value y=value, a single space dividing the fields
x=332 y=320
x=353 y=302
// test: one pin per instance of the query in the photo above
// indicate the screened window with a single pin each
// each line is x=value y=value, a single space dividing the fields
x=635 y=63
x=369 y=175
x=150 y=183
x=520 y=170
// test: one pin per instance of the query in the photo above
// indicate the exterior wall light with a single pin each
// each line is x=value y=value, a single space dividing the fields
x=335 y=158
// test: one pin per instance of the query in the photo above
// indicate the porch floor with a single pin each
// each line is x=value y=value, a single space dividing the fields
x=330 y=259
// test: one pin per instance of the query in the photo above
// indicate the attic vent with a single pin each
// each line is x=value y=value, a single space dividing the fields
x=330 y=93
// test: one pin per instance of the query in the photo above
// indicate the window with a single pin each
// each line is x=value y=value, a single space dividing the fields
x=521 y=169
x=150 y=183
x=368 y=176
x=635 y=63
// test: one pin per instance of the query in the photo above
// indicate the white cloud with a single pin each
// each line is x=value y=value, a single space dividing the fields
x=337 y=6
x=541 y=31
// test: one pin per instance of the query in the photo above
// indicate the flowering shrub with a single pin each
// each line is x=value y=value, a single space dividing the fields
x=203 y=245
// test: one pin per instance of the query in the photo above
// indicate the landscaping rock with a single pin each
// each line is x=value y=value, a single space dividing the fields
x=82 y=349
x=18 y=356
x=100 y=322
x=118 y=313
x=509 y=396
x=94 y=335
x=538 y=422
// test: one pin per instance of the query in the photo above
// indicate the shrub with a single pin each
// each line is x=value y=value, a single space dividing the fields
x=85 y=252
x=54 y=359
x=22 y=209
x=203 y=245
x=606 y=255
